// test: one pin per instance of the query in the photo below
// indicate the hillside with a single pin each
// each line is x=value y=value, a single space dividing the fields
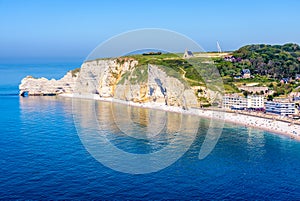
x=268 y=64
x=273 y=61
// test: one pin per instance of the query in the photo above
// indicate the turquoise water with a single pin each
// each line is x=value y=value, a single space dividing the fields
x=42 y=157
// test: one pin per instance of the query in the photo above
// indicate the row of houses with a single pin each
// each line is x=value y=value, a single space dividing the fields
x=289 y=79
x=257 y=102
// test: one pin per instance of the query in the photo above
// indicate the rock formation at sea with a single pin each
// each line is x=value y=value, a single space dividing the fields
x=44 y=87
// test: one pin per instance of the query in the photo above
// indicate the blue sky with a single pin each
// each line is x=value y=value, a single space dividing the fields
x=69 y=30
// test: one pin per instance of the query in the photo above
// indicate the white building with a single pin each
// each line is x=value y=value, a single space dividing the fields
x=187 y=54
x=281 y=108
x=255 y=101
x=235 y=101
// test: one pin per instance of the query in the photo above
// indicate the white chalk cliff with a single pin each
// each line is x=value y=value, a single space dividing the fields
x=43 y=86
x=117 y=78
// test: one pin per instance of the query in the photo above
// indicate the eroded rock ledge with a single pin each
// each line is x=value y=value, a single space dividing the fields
x=43 y=87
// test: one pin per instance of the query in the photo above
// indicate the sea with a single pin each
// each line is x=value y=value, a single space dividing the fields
x=56 y=148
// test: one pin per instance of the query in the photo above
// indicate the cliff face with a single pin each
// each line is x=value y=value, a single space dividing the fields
x=157 y=87
x=101 y=76
x=43 y=86
x=117 y=78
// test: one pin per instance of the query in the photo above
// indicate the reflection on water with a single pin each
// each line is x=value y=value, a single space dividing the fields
x=255 y=137
x=42 y=157
x=38 y=103
x=138 y=115
x=256 y=141
x=111 y=132
x=132 y=127
x=138 y=122
x=117 y=134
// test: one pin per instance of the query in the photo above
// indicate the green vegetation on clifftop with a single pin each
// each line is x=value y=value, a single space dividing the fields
x=268 y=64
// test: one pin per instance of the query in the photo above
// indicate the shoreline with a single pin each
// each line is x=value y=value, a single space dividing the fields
x=271 y=125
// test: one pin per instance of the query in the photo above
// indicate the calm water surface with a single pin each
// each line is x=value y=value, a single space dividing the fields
x=42 y=157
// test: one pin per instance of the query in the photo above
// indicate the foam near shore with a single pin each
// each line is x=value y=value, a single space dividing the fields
x=276 y=126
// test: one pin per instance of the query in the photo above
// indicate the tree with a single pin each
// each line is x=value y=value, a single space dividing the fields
x=271 y=85
x=270 y=98
x=245 y=93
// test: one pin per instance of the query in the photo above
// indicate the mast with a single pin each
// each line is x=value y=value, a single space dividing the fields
x=219 y=47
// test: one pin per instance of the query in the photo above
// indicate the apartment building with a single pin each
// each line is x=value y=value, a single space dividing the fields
x=281 y=108
x=235 y=101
